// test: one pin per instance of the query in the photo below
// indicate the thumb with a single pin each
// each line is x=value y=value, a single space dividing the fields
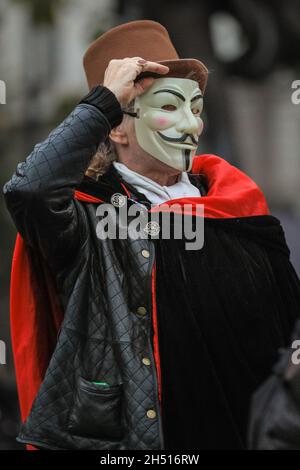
x=143 y=85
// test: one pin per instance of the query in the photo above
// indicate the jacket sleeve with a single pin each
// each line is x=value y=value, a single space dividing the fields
x=39 y=196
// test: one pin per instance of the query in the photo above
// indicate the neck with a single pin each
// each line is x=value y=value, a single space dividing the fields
x=162 y=177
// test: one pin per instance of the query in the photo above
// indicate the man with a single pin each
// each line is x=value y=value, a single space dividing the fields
x=138 y=342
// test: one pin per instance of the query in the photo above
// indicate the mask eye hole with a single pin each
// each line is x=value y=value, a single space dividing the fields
x=169 y=107
x=196 y=111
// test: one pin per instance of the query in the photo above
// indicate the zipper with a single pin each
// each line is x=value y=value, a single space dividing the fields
x=150 y=307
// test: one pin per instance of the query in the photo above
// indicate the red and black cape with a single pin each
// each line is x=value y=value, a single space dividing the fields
x=35 y=312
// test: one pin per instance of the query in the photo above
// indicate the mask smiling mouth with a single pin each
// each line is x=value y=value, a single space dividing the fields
x=180 y=140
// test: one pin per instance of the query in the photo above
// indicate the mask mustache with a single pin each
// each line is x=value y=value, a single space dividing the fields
x=178 y=139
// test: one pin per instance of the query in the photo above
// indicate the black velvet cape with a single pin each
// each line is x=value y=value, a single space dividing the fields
x=223 y=313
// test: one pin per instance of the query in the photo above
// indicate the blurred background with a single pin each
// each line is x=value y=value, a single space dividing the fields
x=252 y=49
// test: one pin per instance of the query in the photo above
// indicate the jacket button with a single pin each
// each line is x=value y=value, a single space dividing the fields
x=142 y=310
x=146 y=361
x=151 y=414
x=145 y=253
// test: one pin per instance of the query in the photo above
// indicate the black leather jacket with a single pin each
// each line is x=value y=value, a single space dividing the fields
x=101 y=285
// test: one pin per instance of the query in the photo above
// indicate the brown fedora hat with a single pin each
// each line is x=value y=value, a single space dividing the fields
x=143 y=38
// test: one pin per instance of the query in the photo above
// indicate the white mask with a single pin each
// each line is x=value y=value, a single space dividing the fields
x=168 y=125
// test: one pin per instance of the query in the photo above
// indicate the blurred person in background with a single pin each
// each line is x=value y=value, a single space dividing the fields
x=275 y=407
x=141 y=343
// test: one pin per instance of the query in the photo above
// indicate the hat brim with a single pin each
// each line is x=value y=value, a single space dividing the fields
x=192 y=69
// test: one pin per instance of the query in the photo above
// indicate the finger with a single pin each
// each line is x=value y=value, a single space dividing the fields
x=150 y=66
x=138 y=58
x=155 y=67
x=143 y=85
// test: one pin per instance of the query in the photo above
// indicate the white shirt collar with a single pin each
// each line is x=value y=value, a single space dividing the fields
x=154 y=191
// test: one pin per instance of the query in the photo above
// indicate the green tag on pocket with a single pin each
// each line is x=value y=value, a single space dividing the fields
x=105 y=384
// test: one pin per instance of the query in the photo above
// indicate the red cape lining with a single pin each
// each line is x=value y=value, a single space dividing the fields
x=231 y=192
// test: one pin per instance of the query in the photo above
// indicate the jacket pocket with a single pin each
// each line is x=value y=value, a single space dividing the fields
x=97 y=411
